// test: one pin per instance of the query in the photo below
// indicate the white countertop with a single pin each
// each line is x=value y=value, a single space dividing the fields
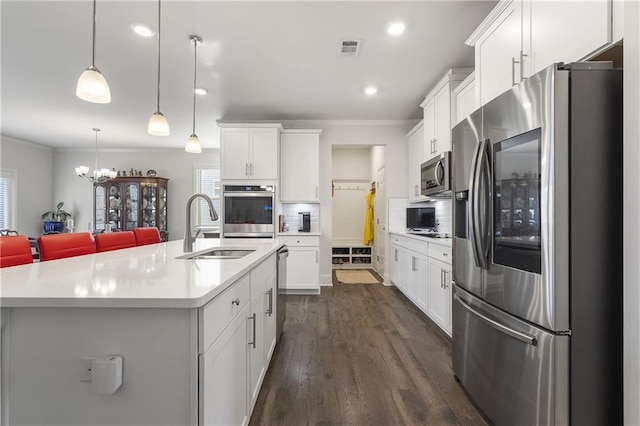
x=441 y=241
x=144 y=277
x=298 y=234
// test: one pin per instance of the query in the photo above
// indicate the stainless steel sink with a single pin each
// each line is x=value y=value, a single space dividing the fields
x=219 y=253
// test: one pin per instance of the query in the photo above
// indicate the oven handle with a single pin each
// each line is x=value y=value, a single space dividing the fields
x=248 y=194
x=523 y=337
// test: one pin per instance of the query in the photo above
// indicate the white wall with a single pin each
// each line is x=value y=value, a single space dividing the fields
x=631 y=208
x=391 y=134
x=35 y=187
x=174 y=164
x=351 y=163
x=377 y=161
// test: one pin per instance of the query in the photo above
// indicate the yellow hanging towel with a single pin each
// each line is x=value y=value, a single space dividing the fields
x=367 y=238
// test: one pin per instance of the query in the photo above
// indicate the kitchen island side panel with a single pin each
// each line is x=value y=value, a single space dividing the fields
x=42 y=369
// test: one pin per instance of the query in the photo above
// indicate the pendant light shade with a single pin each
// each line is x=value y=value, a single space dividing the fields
x=92 y=86
x=193 y=143
x=158 y=124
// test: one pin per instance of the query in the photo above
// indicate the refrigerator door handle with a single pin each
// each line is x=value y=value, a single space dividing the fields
x=478 y=223
x=523 y=337
x=485 y=215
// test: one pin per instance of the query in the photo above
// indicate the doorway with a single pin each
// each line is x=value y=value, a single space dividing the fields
x=356 y=171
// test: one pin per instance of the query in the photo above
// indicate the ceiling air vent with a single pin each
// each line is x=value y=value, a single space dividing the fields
x=349 y=47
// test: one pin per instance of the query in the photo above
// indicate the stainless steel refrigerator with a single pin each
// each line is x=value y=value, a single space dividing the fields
x=537 y=266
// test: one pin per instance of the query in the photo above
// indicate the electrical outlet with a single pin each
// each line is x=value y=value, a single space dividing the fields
x=85 y=362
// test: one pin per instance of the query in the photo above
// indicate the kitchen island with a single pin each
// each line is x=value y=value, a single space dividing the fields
x=195 y=336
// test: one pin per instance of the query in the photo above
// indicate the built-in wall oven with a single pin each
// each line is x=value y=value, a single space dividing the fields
x=248 y=211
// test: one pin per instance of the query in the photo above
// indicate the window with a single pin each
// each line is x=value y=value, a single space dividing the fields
x=7 y=199
x=207 y=181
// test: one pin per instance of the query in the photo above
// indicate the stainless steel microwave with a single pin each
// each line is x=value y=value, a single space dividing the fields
x=435 y=176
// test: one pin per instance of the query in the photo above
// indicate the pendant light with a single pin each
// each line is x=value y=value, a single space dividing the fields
x=193 y=143
x=158 y=124
x=92 y=86
x=98 y=175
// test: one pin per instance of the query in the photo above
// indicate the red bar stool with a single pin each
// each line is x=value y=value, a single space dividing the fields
x=59 y=246
x=115 y=241
x=15 y=250
x=145 y=236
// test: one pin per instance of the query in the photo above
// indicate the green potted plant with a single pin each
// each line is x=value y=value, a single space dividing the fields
x=54 y=219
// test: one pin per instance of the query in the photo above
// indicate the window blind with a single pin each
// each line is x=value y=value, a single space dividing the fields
x=7 y=199
x=207 y=181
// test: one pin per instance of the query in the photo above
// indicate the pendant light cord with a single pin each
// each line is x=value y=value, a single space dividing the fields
x=158 y=102
x=195 y=67
x=93 y=47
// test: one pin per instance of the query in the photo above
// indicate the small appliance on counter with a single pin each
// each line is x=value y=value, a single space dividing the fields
x=304 y=222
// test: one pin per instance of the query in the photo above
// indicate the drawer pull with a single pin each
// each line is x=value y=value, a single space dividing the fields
x=445 y=254
x=236 y=301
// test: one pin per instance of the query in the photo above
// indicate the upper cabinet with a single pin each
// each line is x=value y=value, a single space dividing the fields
x=299 y=166
x=415 y=157
x=438 y=113
x=520 y=38
x=464 y=98
x=249 y=151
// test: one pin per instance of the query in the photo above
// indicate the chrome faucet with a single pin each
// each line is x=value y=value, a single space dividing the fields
x=188 y=239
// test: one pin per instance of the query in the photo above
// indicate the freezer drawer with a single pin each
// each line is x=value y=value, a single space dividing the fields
x=516 y=373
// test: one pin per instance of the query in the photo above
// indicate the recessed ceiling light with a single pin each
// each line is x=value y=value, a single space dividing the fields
x=396 y=28
x=371 y=90
x=200 y=91
x=142 y=30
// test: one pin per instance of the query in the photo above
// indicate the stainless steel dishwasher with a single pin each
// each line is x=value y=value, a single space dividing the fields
x=283 y=253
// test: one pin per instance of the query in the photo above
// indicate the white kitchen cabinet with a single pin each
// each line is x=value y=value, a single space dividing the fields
x=415 y=157
x=438 y=114
x=417 y=278
x=270 y=318
x=223 y=391
x=439 y=297
x=299 y=166
x=303 y=269
x=399 y=267
x=521 y=37
x=256 y=344
x=464 y=98
x=249 y=152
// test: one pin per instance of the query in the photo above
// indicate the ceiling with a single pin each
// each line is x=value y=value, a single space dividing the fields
x=266 y=60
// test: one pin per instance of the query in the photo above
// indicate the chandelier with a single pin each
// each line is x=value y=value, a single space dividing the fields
x=98 y=175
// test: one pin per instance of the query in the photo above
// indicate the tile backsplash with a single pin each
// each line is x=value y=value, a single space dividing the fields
x=397 y=216
x=290 y=212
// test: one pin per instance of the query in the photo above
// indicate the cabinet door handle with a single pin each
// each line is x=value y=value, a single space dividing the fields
x=316 y=256
x=395 y=255
x=253 y=342
x=236 y=301
x=250 y=169
x=413 y=263
x=246 y=169
x=441 y=278
x=445 y=285
x=270 y=293
x=415 y=190
x=513 y=70
x=435 y=148
x=522 y=56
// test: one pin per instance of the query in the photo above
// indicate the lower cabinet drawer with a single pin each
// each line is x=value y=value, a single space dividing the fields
x=301 y=241
x=214 y=317
x=398 y=240
x=439 y=252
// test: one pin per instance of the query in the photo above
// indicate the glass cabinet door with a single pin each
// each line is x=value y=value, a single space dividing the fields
x=100 y=199
x=114 y=205
x=149 y=203
x=131 y=206
x=162 y=206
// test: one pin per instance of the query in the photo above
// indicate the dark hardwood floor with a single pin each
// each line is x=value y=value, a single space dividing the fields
x=361 y=354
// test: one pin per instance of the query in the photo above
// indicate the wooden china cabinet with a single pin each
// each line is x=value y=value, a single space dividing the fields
x=131 y=202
